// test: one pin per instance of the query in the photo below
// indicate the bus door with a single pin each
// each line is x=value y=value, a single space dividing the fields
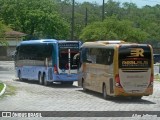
x=135 y=69
x=68 y=60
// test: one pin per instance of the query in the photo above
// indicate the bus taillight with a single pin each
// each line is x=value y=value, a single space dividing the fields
x=118 y=84
x=55 y=69
x=151 y=80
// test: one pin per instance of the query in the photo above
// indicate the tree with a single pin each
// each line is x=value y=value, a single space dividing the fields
x=3 y=30
x=112 y=28
x=112 y=8
x=65 y=9
x=34 y=17
x=52 y=18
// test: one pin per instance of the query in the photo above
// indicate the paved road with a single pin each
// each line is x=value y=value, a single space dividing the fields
x=30 y=96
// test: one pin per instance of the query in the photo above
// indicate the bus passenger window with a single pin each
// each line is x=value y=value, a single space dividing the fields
x=109 y=57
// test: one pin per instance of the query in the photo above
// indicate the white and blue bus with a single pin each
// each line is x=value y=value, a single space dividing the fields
x=48 y=60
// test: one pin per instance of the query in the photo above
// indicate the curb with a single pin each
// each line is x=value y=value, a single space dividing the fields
x=4 y=88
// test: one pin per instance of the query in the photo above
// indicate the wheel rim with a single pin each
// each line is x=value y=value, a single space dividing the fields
x=40 y=79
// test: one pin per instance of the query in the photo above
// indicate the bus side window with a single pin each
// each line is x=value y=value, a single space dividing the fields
x=48 y=51
x=109 y=59
x=43 y=52
x=91 y=56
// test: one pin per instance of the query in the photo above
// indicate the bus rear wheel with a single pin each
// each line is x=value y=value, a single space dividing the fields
x=40 y=79
x=104 y=92
x=46 y=83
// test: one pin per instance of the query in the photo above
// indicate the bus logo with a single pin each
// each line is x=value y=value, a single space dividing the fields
x=137 y=52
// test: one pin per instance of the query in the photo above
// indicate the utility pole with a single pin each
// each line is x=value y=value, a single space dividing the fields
x=86 y=17
x=72 y=24
x=103 y=11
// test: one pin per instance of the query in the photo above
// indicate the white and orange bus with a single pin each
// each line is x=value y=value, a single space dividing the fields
x=117 y=68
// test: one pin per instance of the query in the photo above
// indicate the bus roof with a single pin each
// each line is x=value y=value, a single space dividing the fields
x=109 y=43
x=64 y=41
x=38 y=41
x=46 y=41
x=102 y=43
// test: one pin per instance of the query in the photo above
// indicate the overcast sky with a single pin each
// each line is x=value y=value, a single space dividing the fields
x=139 y=3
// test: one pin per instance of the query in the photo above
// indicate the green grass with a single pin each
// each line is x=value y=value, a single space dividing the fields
x=10 y=90
x=1 y=86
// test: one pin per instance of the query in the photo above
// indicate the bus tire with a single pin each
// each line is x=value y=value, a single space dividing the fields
x=137 y=98
x=19 y=75
x=46 y=83
x=67 y=83
x=40 y=79
x=83 y=86
x=104 y=92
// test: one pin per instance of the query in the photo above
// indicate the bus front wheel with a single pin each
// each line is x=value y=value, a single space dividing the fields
x=104 y=92
x=46 y=83
x=19 y=75
x=83 y=86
